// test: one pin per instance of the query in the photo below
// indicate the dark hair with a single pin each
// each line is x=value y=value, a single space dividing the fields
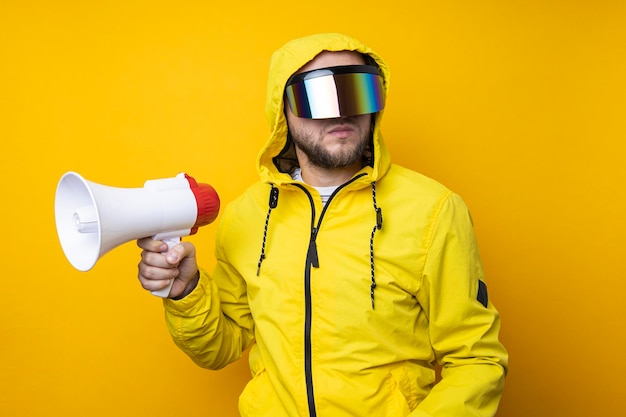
x=369 y=60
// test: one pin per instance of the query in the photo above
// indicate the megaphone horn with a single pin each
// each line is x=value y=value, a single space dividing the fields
x=91 y=219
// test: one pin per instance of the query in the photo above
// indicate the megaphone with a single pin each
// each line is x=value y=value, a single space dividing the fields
x=91 y=219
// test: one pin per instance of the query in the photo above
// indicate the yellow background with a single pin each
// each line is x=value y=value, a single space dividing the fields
x=517 y=105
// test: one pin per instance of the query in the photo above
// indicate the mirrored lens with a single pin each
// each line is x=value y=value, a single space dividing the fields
x=331 y=95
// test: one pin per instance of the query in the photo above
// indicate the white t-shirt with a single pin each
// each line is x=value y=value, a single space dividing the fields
x=325 y=192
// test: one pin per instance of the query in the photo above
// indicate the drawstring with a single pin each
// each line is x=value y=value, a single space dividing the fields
x=273 y=202
x=378 y=226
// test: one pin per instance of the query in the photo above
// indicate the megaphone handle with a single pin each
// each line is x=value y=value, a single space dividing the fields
x=164 y=292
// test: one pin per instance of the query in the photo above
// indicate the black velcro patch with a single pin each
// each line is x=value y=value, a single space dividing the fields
x=482 y=296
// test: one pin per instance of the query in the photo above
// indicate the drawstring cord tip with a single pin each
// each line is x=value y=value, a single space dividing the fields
x=372 y=293
x=258 y=268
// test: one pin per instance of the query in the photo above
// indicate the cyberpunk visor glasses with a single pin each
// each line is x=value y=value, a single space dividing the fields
x=342 y=91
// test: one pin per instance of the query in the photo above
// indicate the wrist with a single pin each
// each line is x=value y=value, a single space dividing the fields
x=191 y=285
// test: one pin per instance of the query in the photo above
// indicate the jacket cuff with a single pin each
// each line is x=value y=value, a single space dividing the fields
x=192 y=301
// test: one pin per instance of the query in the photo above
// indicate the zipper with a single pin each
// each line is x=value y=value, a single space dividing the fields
x=312 y=260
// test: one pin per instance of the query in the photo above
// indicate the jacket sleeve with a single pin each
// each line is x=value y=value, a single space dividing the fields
x=212 y=324
x=463 y=323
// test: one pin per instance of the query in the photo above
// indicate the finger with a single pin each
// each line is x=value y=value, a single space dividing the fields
x=156 y=259
x=149 y=244
x=154 y=278
x=154 y=284
x=179 y=252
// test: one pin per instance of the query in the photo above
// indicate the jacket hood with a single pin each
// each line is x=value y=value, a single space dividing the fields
x=284 y=63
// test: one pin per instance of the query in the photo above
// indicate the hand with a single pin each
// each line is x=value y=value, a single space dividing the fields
x=159 y=265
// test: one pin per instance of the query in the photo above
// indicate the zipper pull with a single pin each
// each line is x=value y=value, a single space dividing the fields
x=312 y=253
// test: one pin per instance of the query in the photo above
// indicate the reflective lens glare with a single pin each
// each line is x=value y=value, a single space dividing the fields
x=332 y=92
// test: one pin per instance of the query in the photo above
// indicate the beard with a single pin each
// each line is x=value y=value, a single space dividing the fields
x=311 y=144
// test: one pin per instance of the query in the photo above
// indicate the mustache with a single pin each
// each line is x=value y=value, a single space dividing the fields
x=345 y=121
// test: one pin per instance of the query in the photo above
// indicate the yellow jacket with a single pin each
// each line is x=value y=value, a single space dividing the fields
x=345 y=318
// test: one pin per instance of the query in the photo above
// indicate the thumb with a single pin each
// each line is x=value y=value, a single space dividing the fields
x=179 y=252
x=175 y=254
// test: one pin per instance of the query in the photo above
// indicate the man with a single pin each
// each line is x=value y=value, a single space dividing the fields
x=350 y=278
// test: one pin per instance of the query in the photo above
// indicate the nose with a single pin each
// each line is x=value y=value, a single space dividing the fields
x=344 y=119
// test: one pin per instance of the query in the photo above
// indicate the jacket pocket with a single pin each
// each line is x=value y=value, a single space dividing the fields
x=259 y=397
x=251 y=398
x=404 y=395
